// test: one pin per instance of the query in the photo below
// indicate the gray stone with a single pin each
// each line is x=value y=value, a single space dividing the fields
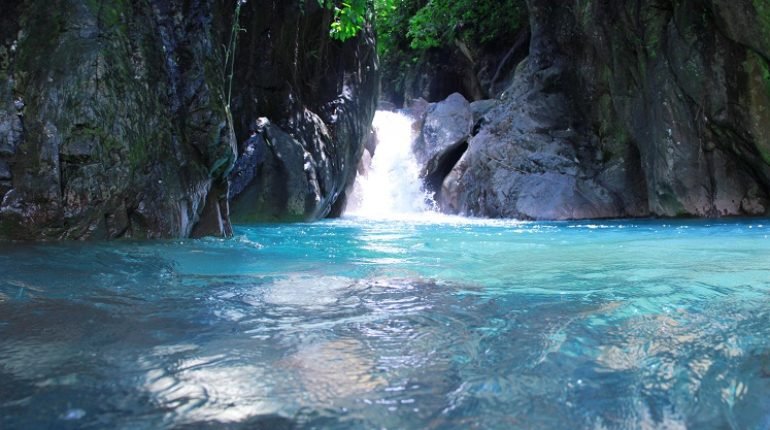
x=5 y=170
x=596 y=124
x=448 y=197
x=319 y=96
x=480 y=108
x=447 y=124
x=10 y=131
x=247 y=167
x=292 y=196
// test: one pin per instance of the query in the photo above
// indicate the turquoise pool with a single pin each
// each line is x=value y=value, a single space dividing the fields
x=421 y=323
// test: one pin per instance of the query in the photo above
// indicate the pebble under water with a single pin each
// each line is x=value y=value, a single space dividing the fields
x=418 y=324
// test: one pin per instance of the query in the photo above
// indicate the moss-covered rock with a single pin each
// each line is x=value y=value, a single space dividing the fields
x=117 y=139
x=113 y=119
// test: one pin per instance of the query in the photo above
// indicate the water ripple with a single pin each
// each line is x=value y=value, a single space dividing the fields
x=348 y=324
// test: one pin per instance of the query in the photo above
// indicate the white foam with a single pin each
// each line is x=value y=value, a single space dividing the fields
x=392 y=188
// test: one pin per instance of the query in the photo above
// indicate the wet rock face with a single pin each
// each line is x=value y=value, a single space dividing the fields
x=446 y=127
x=447 y=124
x=111 y=120
x=318 y=97
x=627 y=109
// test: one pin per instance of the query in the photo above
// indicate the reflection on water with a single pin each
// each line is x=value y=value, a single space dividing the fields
x=411 y=325
x=332 y=370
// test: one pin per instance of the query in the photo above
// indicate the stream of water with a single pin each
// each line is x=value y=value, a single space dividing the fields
x=417 y=322
x=391 y=187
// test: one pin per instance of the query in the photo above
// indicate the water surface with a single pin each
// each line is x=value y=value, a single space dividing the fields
x=423 y=323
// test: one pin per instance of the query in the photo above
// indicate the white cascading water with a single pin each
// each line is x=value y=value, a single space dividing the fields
x=392 y=187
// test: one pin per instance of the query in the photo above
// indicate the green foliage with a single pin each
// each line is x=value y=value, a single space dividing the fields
x=349 y=17
x=392 y=23
x=407 y=29
x=480 y=21
x=425 y=31
x=412 y=26
x=428 y=23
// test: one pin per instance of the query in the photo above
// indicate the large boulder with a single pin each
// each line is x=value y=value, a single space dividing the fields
x=319 y=96
x=447 y=124
x=524 y=162
x=445 y=129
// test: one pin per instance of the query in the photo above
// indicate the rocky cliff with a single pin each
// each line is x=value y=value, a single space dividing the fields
x=622 y=109
x=113 y=119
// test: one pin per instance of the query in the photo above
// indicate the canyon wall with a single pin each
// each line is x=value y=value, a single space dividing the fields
x=624 y=109
x=113 y=118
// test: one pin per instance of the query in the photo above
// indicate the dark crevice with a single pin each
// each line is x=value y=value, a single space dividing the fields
x=518 y=52
x=441 y=165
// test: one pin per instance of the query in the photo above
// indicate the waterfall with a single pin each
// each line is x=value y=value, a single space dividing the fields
x=391 y=187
